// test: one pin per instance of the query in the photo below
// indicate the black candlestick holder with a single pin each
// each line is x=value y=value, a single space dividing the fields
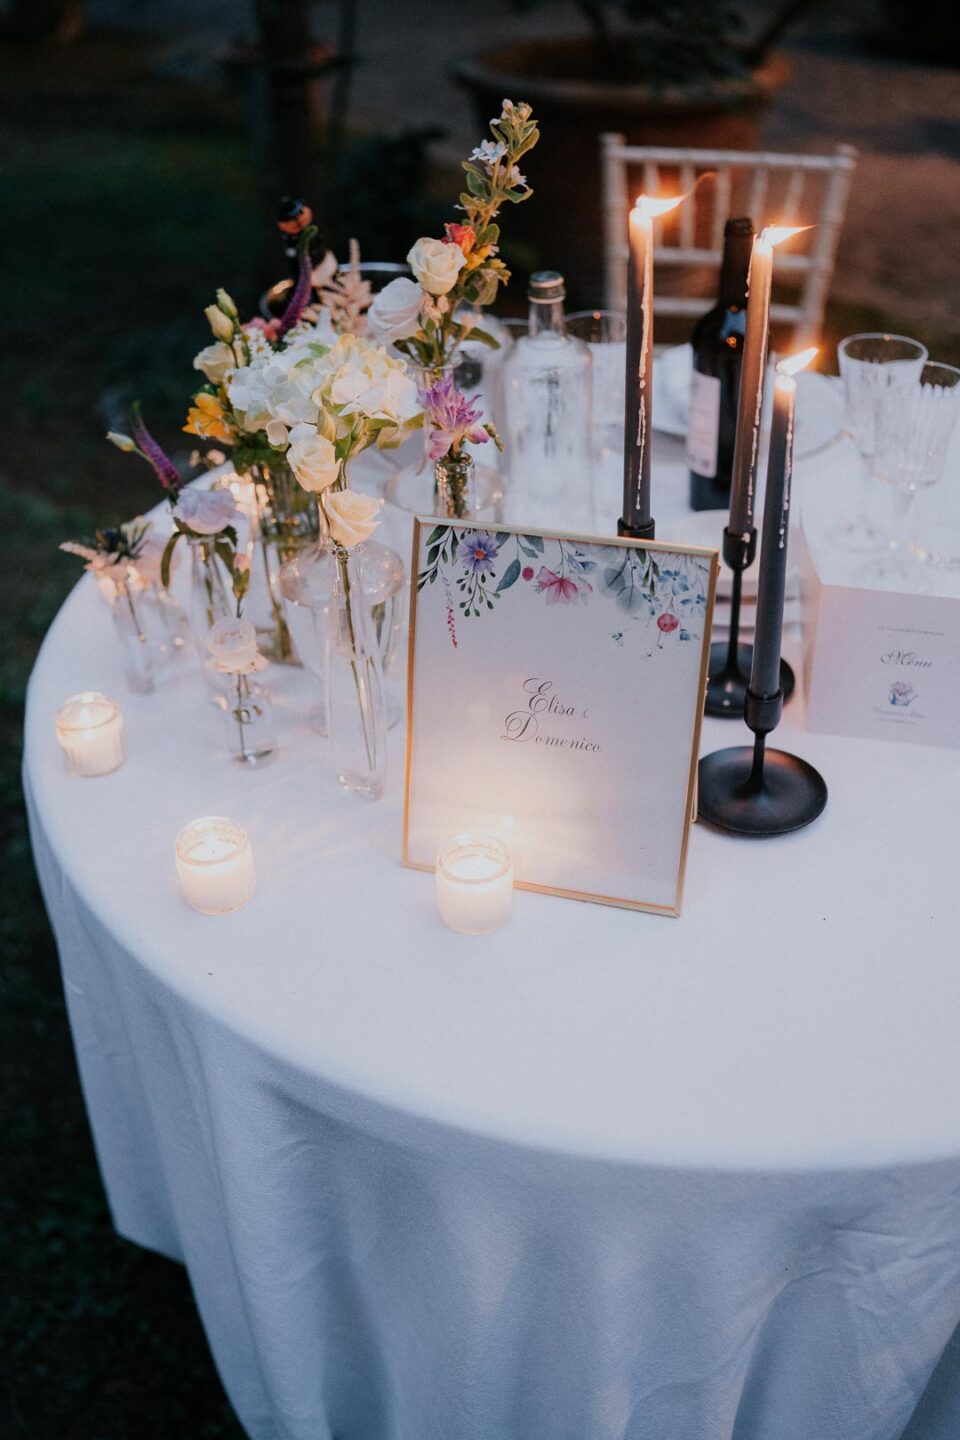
x=637 y=532
x=756 y=791
x=730 y=661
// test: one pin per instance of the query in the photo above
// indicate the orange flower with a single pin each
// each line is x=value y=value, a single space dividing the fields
x=206 y=418
x=462 y=235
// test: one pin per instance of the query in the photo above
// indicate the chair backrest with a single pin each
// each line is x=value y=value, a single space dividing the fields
x=770 y=188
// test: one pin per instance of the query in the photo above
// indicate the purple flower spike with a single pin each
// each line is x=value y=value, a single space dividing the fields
x=303 y=289
x=453 y=418
x=164 y=468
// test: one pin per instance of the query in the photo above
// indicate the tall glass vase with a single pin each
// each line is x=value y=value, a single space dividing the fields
x=308 y=586
x=209 y=602
x=355 y=710
x=286 y=522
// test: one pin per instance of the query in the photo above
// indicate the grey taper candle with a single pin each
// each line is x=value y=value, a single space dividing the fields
x=772 y=580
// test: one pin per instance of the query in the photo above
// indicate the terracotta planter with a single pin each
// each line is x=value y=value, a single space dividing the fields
x=562 y=225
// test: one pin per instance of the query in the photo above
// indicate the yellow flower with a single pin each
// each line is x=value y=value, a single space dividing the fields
x=206 y=418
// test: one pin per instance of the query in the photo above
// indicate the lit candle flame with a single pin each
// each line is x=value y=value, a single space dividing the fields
x=774 y=234
x=651 y=208
x=797 y=362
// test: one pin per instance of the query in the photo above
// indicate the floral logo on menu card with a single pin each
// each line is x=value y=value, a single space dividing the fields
x=902 y=693
x=477 y=567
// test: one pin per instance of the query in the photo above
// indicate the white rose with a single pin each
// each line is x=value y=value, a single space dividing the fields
x=436 y=264
x=232 y=646
x=206 y=512
x=312 y=458
x=217 y=361
x=395 y=312
x=352 y=517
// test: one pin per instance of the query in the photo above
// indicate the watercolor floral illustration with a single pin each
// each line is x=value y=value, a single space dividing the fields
x=663 y=592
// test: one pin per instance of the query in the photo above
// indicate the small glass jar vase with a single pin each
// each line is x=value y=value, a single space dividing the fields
x=421 y=488
x=455 y=480
x=152 y=628
x=308 y=584
x=248 y=714
x=355 y=709
x=286 y=522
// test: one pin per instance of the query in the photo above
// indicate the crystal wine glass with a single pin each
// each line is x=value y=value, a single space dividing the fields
x=912 y=435
x=876 y=369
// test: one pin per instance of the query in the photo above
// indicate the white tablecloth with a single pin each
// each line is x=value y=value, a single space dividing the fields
x=599 y=1176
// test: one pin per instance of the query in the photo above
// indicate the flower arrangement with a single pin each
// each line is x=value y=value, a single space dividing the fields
x=247 y=357
x=453 y=421
x=323 y=406
x=120 y=554
x=208 y=515
x=423 y=317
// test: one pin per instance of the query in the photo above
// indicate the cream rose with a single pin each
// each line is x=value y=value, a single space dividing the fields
x=219 y=323
x=232 y=647
x=312 y=458
x=436 y=264
x=352 y=517
x=395 y=312
x=216 y=361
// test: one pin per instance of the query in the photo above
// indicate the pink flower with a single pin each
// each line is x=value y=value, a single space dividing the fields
x=561 y=590
x=452 y=418
x=268 y=328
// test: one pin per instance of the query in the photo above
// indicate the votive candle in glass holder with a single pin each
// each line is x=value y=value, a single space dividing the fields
x=475 y=883
x=90 y=732
x=215 y=865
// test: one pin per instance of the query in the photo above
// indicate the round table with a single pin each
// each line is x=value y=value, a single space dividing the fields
x=600 y=1174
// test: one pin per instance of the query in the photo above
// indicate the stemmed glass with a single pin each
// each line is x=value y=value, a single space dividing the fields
x=876 y=370
x=912 y=435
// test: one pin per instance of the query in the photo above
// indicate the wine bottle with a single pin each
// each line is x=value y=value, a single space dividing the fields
x=717 y=354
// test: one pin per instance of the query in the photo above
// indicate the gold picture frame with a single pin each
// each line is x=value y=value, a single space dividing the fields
x=709 y=556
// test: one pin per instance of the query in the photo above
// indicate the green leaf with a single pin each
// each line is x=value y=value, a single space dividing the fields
x=166 y=559
x=436 y=535
x=535 y=543
x=510 y=576
x=484 y=337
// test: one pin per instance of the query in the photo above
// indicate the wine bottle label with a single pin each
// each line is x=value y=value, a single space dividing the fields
x=703 y=425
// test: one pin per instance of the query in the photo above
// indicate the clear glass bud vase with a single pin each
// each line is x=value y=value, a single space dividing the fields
x=454 y=477
x=209 y=602
x=419 y=488
x=308 y=585
x=355 y=710
x=251 y=736
x=286 y=523
x=152 y=629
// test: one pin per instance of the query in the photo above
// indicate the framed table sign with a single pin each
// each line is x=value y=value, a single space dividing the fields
x=555 y=692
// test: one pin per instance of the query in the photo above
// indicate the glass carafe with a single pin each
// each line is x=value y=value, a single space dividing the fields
x=547 y=386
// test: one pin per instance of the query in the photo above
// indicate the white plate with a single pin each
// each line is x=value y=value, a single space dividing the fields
x=819 y=401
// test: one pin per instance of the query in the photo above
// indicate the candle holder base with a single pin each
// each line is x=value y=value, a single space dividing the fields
x=637 y=532
x=758 y=796
x=727 y=684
